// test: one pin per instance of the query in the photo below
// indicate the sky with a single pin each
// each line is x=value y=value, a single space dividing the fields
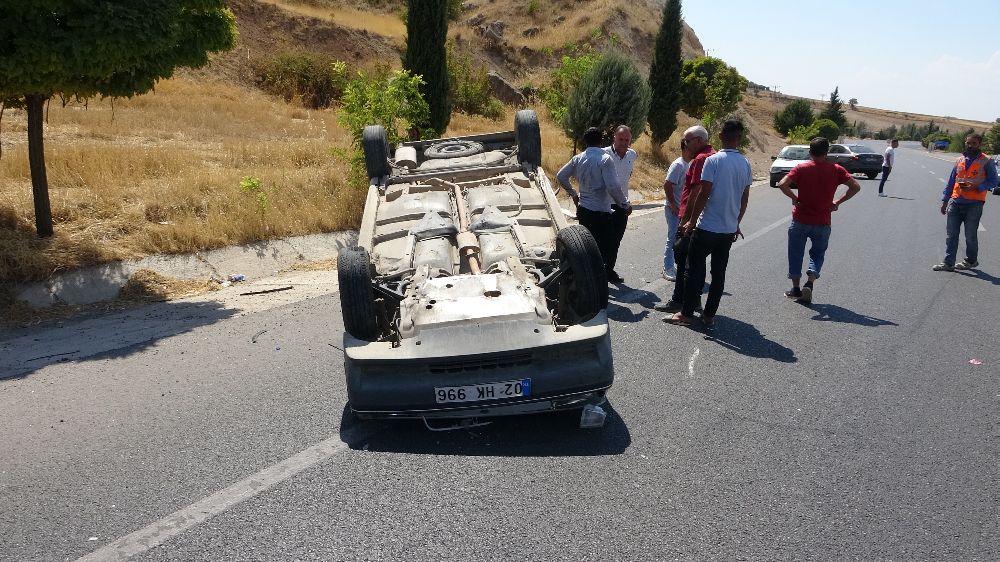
x=935 y=58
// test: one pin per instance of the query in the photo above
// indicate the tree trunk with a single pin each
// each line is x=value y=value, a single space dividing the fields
x=36 y=161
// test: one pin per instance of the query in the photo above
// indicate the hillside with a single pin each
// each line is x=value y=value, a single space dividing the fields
x=208 y=160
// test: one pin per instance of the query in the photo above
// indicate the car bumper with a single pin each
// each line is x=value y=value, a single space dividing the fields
x=568 y=369
x=864 y=168
x=778 y=176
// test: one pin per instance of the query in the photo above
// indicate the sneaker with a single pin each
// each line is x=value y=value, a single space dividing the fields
x=668 y=306
x=613 y=277
x=966 y=264
x=669 y=275
x=882 y=195
x=794 y=293
x=807 y=293
x=943 y=267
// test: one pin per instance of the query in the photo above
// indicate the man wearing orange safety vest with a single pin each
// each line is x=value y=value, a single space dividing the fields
x=973 y=177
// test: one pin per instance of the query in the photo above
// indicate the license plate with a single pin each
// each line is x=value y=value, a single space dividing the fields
x=485 y=391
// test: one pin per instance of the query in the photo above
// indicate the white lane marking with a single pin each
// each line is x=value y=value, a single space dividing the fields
x=981 y=228
x=764 y=230
x=694 y=356
x=931 y=172
x=176 y=523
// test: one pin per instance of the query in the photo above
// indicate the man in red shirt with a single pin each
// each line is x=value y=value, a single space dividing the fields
x=817 y=182
x=696 y=139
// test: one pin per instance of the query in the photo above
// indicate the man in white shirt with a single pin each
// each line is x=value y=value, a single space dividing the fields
x=624 y=159
x=673 y=184
x=715 y=224
x=888 y=161
x=595 y=172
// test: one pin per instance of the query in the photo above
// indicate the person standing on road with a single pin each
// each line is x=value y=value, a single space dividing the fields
x=972 y=178
x=714 y=224
x=624 y=159
x=700 y=150
x=673 y=185
x=817 y=182
x=595 y=173
x=888 y=161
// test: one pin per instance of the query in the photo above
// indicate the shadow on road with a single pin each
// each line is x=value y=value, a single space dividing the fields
x=627 y=295
x=978 y=274
x=538 y=435
x=102 y=336
x=745 y=339
x=834 y=313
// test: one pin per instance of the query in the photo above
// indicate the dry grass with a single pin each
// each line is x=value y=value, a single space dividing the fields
x=162 y=175
x=388 y=25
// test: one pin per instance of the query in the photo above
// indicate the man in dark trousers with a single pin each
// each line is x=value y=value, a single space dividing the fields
x=817 y=182
x=599 y=186
x=714 y=223
x=696 y=139
x=962 y=201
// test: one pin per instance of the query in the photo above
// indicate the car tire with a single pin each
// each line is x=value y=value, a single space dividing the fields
x=773 y=182
x=528 y=137
x=455 y=148
x=871 y=175
x=357 y=299
x=583 y=287
x=376 y=147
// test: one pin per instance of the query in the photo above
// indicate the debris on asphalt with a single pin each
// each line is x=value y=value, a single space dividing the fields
x=265 y=291
x=975 y=361
x=237 y=278
x=255 y=336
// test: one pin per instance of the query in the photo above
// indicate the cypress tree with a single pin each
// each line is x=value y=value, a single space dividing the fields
x=426 y=55
x=834 y=110
x=665 y=74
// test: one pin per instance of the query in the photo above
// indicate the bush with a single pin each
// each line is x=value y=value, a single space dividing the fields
x=315 y=80
x=991 y=141
x=796 y=114
x=470 y=87
x=827 y=129
x=613 y=93
x=381 y=97
x=565 y=78
x=801 y=134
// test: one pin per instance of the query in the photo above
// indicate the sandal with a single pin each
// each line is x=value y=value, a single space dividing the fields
x=678 y=319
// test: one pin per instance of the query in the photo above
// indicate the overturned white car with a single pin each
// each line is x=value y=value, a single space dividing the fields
x=469 y=294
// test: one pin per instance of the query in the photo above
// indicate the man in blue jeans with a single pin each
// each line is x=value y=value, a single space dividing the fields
x=972 y=178
x=817 y=182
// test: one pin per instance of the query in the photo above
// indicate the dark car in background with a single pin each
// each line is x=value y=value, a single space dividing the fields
x=857 y=159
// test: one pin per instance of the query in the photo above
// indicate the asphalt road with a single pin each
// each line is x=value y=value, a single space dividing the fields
x=863 y=427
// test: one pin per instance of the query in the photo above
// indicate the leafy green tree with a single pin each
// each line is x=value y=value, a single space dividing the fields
x=613 y=93
x=470 y=86
x=665 y=74
x=834 y=109
x=827 y=129
x=565 y=79
x=380 y=97
x=797 y=113
x=426 y=56
x=991 y=141
x=84 y=48
x=710 y=88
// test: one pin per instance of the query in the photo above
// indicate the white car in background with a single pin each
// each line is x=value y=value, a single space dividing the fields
x=789 y=157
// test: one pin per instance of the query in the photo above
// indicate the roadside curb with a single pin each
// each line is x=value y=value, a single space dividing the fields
x=256 y=260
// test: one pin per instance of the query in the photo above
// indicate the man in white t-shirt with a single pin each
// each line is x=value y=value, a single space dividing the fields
x=672 y=187
x=888 y=161
x=624 y=159
x=717 y=212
